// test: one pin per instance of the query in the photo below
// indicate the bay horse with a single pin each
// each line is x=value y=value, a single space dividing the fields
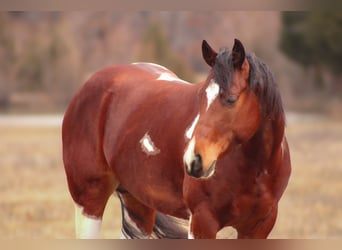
x=203 y=156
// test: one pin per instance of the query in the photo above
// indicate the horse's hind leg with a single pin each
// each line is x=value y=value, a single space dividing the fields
x=86 y=227
x=203 y=223
x=90 y=196
x=137 y=219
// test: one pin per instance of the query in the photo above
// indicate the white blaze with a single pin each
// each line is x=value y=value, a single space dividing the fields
x=191 y=129
x=189 y=154
x=212 y=92
x=148 y=146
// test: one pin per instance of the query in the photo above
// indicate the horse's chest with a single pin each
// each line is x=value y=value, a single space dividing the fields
x=252 y=204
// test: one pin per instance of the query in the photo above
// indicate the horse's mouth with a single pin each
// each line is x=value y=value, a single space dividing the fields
x=210 y=171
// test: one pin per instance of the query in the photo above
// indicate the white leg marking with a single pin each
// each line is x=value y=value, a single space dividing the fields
x=190 y=234
x=189 y=154
x=148 y=146
x=227 y=233
x=191 y=129
x=86 y=227
x=212 y=91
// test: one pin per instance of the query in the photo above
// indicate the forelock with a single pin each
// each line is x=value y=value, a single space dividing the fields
x=223 y=69
x=261 y=80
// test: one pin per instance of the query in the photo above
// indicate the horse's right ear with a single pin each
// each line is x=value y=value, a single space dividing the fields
x=209 y=55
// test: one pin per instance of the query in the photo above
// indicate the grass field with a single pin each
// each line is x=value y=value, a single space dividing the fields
x=35 y=202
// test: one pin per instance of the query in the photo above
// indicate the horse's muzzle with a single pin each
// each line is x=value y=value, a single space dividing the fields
x=196 y=167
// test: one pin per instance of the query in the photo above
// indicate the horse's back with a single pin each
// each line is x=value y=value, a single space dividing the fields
x=87 y=107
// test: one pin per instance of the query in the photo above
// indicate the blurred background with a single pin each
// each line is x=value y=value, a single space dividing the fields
x=46 y=56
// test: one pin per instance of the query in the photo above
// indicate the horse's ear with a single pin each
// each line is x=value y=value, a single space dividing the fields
x=238 y=54
x=209 y=55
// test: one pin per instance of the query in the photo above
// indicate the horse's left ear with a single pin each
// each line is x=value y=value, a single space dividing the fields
x=238 y=54
x=209 y=55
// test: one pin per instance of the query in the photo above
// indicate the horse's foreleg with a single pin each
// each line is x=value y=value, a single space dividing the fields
x=261 y=229
x=202 y=224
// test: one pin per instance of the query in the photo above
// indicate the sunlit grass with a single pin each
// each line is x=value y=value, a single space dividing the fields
x=35 y=201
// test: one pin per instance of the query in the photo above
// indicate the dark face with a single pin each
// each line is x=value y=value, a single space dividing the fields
x=230 y=114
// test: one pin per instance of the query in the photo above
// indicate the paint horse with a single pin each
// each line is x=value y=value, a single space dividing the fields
x=212 y=153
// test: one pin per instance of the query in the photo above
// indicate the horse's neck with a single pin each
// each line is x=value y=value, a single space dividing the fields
x=265 y=144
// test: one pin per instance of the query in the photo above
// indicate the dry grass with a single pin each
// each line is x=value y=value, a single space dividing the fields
x=35 y=202
x=311 y=206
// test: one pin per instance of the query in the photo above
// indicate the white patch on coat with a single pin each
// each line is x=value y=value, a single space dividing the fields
x=87 y=227
x=148 y=146
x=190 y=130
x=189 y=154
x=212 y=91
x=167 y=76
x=282 y=147
x=163 y=73
x=152 y=65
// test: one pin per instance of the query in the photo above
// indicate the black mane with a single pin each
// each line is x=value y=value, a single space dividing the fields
x=261 y=81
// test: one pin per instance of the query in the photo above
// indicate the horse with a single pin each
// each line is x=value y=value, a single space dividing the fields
x=185 y=160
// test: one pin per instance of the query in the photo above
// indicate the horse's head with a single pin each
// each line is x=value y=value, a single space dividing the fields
x=230 y=112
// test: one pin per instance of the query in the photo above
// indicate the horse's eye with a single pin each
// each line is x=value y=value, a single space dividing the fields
x=231 y=99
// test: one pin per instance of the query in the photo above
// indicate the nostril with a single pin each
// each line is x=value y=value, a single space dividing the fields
x=196 y=166
x=198 y=159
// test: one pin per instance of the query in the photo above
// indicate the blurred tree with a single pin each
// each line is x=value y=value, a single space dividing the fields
x=314 y=39
x=46 y=59
x=156 y=48
x=7 y=59
x=31 y=66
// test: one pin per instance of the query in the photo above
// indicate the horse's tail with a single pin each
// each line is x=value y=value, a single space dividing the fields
x=165 y=227
x=170 y=227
